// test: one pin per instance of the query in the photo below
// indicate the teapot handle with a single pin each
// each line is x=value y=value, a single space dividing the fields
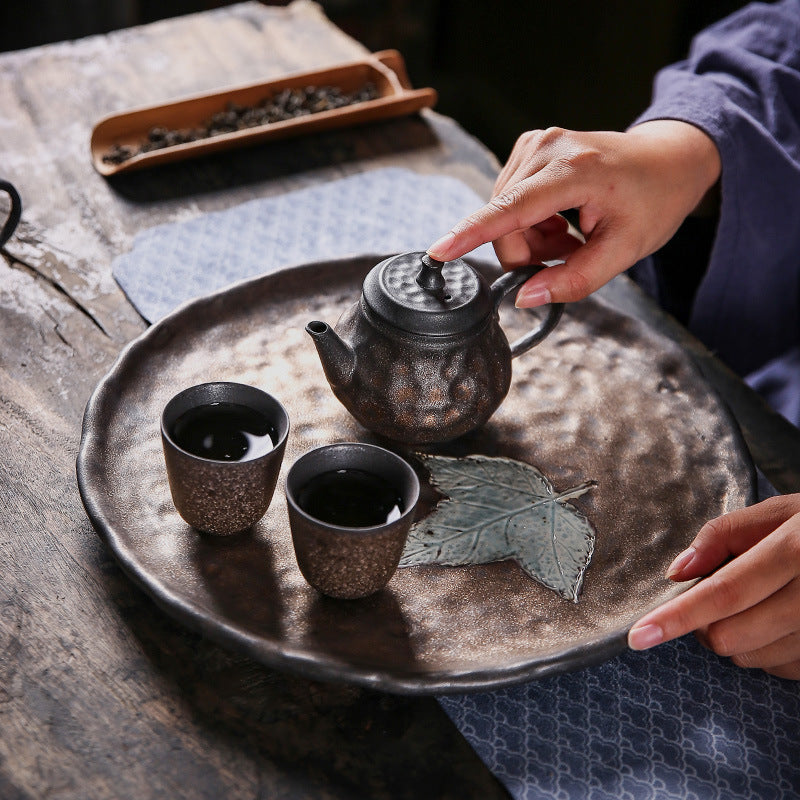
x=511 y=280
x=14 y=213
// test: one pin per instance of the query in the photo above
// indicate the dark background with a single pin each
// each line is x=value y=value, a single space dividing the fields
x=501 y=66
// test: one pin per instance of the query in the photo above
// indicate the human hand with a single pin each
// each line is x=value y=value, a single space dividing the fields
x=633 y=190
x=749 y=608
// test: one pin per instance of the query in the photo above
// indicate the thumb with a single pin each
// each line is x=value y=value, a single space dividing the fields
x=585 y=270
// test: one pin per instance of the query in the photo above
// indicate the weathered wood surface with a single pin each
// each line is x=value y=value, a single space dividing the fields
x=101 y=694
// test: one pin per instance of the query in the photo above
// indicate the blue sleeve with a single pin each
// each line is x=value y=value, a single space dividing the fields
x=741 y=85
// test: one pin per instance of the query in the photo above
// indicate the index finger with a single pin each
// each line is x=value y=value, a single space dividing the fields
x=522 y=205
x=740 y=584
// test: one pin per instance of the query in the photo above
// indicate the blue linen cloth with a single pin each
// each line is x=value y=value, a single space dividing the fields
x=675 y=722
x=388 y=210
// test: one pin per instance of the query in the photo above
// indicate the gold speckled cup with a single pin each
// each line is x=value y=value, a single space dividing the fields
x=350 y=562
x=216 y=496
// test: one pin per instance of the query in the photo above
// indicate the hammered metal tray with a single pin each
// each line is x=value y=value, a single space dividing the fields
x=603 y=398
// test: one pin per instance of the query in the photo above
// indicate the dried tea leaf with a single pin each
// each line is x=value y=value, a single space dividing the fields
x=499 y=508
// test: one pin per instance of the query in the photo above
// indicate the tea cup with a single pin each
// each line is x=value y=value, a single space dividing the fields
x=223 y=447
x=351 y=506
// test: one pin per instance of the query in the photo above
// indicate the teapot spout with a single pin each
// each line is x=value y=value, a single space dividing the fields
x=337 y=357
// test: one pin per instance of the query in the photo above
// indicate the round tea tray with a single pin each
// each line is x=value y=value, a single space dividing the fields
x=603 y=399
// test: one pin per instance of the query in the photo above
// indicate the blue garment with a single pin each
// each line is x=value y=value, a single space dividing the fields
x=741 y=85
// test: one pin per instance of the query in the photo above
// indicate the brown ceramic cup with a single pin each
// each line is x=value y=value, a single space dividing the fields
x=339 y=560
x=226 y=488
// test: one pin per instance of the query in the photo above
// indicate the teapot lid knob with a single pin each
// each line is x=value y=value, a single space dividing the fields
x=421 y=295
x=430 y=277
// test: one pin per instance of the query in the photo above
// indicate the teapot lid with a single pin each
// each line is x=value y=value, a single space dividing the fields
x=415 y=292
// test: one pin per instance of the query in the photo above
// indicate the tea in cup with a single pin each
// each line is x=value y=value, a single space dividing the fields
x=351 y=506
x=223 y=446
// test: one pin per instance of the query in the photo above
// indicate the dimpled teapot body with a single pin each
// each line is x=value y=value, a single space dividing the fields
x=421 y=357
x=418 y=391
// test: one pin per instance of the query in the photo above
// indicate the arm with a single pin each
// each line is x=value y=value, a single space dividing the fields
x=741 y=87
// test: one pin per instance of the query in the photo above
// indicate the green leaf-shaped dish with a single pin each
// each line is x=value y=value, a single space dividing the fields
x=497 y=509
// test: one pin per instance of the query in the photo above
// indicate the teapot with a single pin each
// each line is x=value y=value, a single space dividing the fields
x=421 y=358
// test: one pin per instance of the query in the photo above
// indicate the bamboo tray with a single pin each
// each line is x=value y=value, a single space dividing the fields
x=385 y=70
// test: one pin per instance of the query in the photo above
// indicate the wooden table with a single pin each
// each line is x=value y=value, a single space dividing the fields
x=101 y=694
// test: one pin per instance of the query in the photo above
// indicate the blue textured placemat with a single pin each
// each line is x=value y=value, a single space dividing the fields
x=387 y=210
x=673 y=723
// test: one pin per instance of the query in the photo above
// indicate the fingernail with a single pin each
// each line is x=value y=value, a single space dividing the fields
x=531 y=298
x=644 y=637
x=441 y=247
x=681 y=562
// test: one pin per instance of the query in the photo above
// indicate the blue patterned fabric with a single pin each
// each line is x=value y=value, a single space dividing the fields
x=671 y=723
x=387 y=210
x=674 y=722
